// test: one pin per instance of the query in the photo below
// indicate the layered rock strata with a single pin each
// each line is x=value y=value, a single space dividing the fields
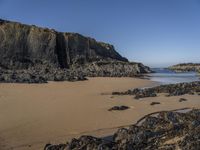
x=45 y=53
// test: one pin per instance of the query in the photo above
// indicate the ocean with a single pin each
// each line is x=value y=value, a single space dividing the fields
x=165 y=76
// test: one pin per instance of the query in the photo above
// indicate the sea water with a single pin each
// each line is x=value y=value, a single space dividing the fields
x=165 y=76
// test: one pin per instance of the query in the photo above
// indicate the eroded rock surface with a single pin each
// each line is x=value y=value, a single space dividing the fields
x=186 y=67
x=170 y=89
x=42 y=51
x=167 y=130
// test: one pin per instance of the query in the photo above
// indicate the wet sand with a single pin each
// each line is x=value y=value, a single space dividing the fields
x=32 y=115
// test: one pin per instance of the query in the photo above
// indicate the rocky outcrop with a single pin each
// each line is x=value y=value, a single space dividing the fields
x=111 y=69
x=186 y=67
x=170 y=89
x=27 y=47
x=39 y=75
x=166 y=130
x=23 y=46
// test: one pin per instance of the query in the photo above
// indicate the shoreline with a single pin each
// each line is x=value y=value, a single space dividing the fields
x=35 y=115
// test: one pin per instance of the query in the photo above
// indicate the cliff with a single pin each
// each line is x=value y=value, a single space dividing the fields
x=28 y=49
x=186 y=67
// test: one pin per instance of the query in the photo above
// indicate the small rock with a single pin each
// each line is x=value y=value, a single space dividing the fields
x=182 y=100
x=155 y=103
x=118 y=108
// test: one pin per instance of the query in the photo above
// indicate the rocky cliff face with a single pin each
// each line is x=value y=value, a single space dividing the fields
x=22 y=46
x=186 y=67
x=25 y=47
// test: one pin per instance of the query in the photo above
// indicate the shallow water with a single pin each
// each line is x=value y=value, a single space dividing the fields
x=165 y=76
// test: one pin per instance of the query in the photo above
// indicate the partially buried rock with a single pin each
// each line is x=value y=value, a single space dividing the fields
x=182 y=100
x=118 y=108
x=155 y=103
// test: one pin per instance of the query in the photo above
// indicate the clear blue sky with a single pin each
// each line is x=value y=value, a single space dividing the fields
x=156 y=32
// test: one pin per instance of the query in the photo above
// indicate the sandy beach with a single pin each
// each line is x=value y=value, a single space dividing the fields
x=32 y=115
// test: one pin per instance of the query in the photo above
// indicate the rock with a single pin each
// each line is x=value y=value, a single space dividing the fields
x=57 y=56
x=191 y=141
x=44 y=46
x=186 y=67
x=182 y=100
x=21 y=76
x=112 y=68
x=154 y=132
x=83 y=143
x=118 y=108
x=55 y=147
x=155 y=103
x=166 y=130
x=145 y=93
x=171 y=89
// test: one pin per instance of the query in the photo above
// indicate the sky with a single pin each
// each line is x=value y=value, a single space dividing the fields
x=158 y=33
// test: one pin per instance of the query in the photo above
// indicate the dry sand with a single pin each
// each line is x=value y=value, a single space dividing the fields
x=32 y=115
